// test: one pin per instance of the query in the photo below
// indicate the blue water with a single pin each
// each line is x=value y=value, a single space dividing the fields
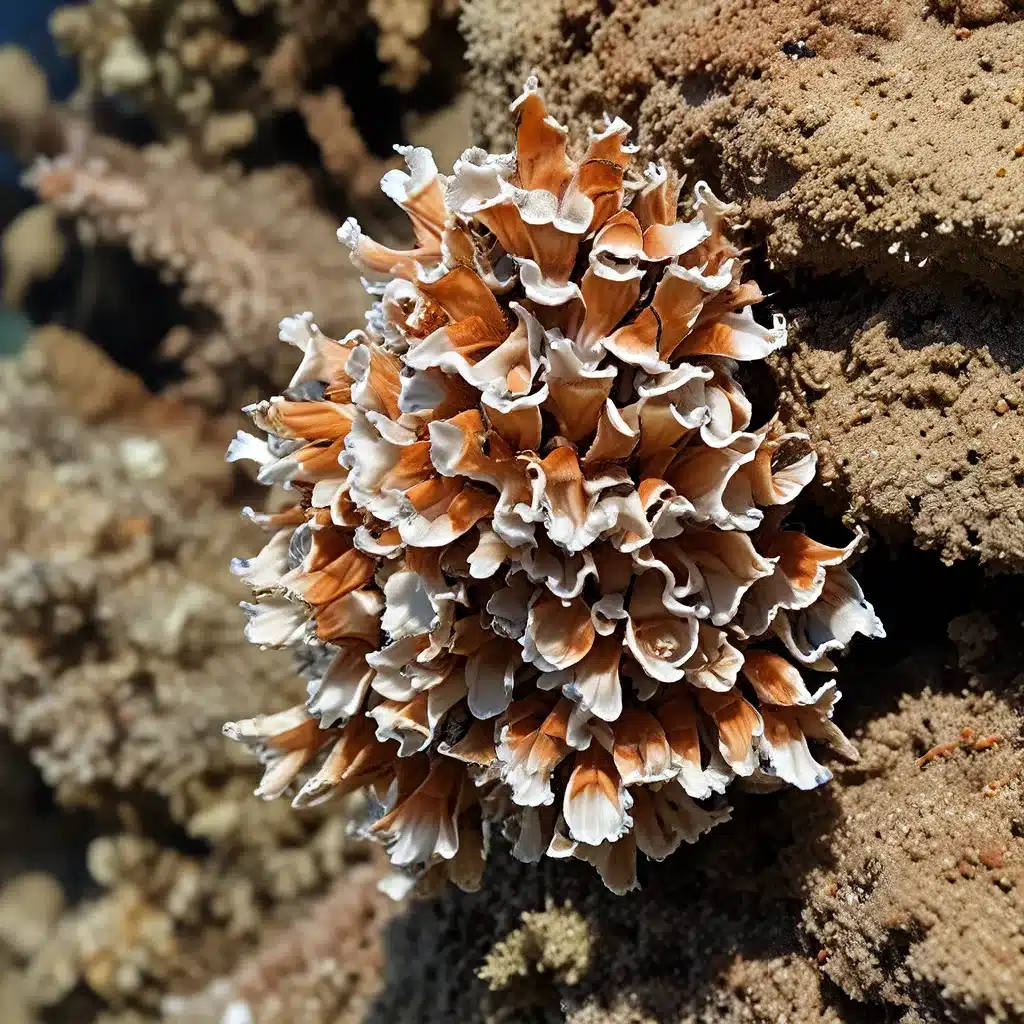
x=25 y=22
x=14 y=331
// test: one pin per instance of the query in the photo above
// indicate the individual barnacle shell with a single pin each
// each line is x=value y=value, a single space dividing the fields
x=538 y=535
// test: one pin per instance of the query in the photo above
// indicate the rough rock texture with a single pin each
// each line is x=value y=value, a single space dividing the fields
x=892 y=895
x=914 y=419
x=917 y=896
x=976 y=12
x=877 y=148
x=845 y=126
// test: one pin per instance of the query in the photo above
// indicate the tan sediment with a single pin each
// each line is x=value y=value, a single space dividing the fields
x=918 y=425
x=878 y=151
x=894 y=127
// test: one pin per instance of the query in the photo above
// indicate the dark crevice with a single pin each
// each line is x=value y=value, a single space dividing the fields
x=80 y=1006
x=36 y=833
x=122 y=306
x=123 y=118
x=151 y=817
x=283 y=137
x=852 y=1011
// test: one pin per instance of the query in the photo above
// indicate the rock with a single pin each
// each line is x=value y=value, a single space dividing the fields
x=859 y=136
x=29 y=907
x=877 y=151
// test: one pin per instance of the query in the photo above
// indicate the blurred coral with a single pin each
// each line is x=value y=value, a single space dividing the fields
x=212 y=71
x=120 y=657
x=323 y=968
x=239 y=247
x=32 y=250
x=330 y=122
x=119 y=649
x=115 y=618
x=345 y=156
x=30 y=905
x=203 y=70
x=27 y=123
x=165 y=922
x=402 y=27
x=242 y=247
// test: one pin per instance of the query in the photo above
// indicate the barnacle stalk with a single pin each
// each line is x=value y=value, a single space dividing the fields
x=537 y=567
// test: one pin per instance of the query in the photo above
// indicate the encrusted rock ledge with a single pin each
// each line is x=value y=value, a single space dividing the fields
x=878 y=151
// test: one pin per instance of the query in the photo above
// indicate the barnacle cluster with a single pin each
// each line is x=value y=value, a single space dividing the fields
x=537 y=570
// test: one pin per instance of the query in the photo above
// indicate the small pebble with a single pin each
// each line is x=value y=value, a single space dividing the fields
x=992 y=856
x=29 y=907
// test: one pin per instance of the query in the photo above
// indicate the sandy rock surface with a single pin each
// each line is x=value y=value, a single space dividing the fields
x=892 y=895
x=878 y=151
